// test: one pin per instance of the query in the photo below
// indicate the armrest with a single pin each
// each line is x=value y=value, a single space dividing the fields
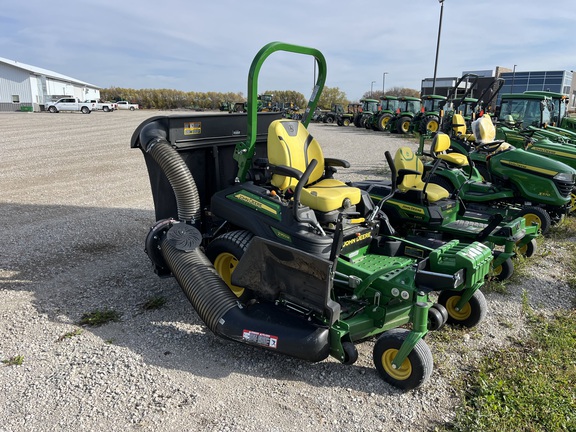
x=336 y=162
x=404 y=172
x=286 y=171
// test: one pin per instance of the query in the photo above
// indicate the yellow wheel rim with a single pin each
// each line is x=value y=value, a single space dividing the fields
x=572 y=203
x=532 y=219
x=403 y=372
x=384 y=122
x=432 y=126
x=405 y=126
x=225 y=264
x=523 y=249
x=463 y=313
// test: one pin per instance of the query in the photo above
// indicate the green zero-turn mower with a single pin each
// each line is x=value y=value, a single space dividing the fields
x=493 y=176
x=426 y=214
x=273 y=252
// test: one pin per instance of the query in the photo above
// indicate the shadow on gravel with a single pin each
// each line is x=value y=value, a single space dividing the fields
x=75 y=260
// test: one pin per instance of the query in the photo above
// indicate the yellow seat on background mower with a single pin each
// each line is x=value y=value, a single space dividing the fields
x=290 y=144
x=459 y=128
x=441 y=143
x=485 y=133
x=406 y=159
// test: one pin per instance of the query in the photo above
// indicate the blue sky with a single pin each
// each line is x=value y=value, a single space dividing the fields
x=209 y=45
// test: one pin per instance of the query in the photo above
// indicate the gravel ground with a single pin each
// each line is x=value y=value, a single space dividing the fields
x=75 y=207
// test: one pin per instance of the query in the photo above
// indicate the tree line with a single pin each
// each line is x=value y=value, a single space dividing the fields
x=166 y=99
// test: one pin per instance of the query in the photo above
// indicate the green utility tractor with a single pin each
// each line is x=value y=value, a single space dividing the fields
x=347 y=118
x=273 y=251
x=331 y=116
x=369 y=107
x=427 y=121
x=408 y=107
x=494 y=176
x=426 y=214
x=534 y=115
x=560 y=118
x=386 y=110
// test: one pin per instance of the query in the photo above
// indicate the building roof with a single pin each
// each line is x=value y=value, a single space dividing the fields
x=40 y=71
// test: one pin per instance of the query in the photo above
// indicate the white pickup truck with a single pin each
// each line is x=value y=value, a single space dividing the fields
x=97 y=105
x=70 y=104
x=125 y=105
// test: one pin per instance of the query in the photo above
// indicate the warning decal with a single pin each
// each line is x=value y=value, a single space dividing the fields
x=260 y=338
x=192 y=128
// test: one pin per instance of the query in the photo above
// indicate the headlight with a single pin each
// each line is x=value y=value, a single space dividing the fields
x=565 y=177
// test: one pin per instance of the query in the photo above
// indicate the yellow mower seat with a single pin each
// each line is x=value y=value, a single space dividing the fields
x=406 y=159
x=459 y=128
x=290 y=144
x=440 y=144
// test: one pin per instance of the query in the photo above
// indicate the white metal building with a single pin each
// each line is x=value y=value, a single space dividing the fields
x=28 y=88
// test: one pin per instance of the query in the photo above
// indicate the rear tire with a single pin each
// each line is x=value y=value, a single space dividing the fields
x=403 y=125
x=430 y=124
x=383 y=120
x=53 y=109
x=85 y=110
x=225 y=253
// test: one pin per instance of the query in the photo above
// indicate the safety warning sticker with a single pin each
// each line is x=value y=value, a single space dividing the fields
x=260 y=338
x=192 y=128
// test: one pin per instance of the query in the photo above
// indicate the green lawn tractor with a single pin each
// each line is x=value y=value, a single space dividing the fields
x=348 y=117
x=426 y=214
x=273 y=252
x=493 y=176
x=408 y=107
x=369 y=107
x=427 y=121
x=378 y=121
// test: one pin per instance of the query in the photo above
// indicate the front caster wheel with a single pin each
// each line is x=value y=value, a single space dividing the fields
x=437 y=317
x=529 y=249
x=471 y=314
x=413 y=371
x=350 y=353
x=503 y=271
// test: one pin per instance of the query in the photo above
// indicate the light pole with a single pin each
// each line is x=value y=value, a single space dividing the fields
x=438 y=46
x=513 y=77
x=372 y=87
x=384 y=82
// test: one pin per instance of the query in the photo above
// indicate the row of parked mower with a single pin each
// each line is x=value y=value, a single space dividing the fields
x=273 y=251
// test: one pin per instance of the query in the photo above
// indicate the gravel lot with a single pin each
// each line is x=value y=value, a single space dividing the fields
x=75 y=207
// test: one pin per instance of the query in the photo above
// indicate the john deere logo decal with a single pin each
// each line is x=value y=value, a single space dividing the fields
x=257 y=203
x=407 y=207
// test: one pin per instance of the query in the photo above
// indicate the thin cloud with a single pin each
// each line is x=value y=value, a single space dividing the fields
x=208 y=46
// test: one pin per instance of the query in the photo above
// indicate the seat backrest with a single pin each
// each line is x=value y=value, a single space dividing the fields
x=440 y=143
x=484 y=130
x=406 y=159
x=458 y=124
x=290 y=144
